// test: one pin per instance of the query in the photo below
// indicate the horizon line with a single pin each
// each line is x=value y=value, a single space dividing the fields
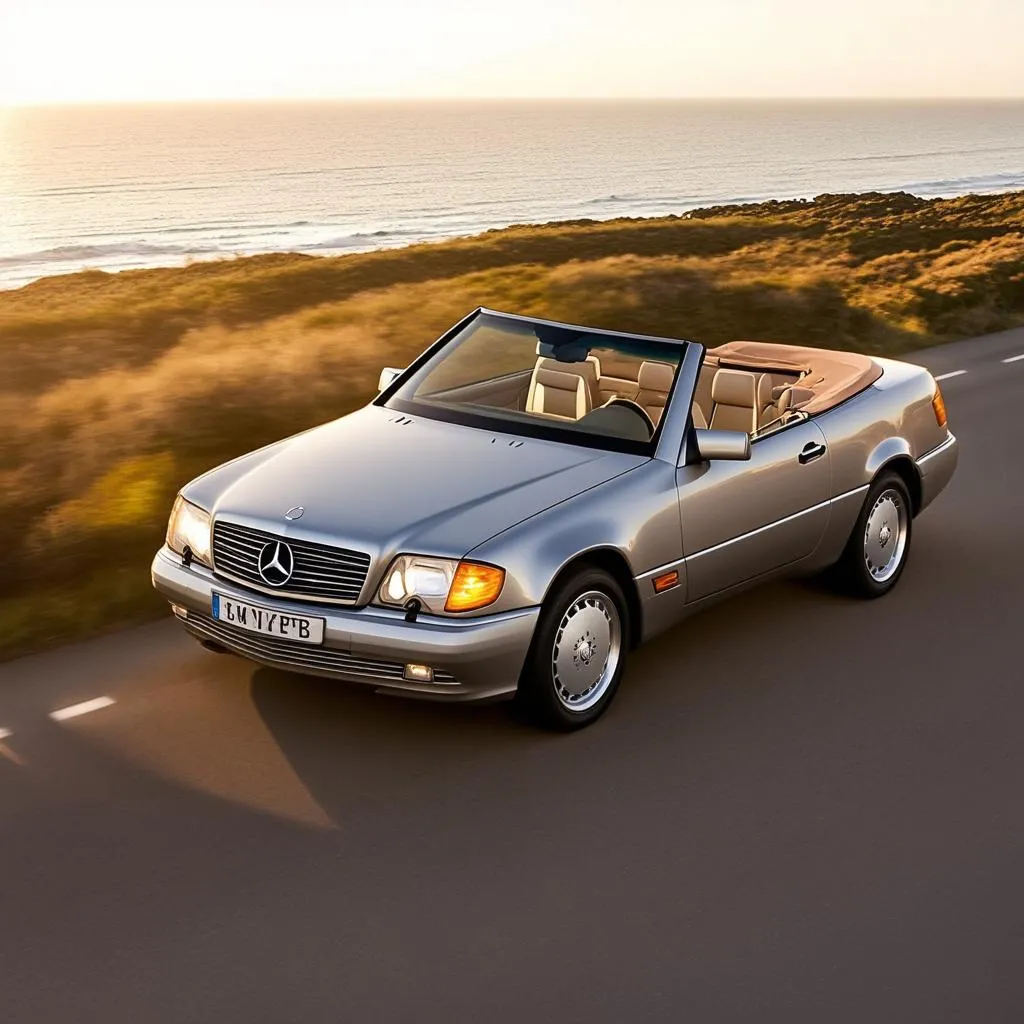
x=212 y=100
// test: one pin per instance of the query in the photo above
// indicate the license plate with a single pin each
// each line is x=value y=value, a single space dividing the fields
x=255 y=619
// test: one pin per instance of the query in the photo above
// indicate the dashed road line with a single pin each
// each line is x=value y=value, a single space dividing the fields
x=1014 y=359
x=5 y=751
x=952 y=373
x=74 y=710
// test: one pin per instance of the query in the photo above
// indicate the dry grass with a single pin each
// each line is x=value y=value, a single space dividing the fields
x=118 y=388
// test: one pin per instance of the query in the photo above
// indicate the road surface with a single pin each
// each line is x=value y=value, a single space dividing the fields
x=800 y=808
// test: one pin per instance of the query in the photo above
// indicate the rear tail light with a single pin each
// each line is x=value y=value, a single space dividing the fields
x=939 y=407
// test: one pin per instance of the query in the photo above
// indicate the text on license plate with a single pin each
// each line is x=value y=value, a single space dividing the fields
x=256 y=619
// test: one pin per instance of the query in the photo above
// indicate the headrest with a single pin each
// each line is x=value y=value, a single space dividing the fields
x=587 y=369
x=655 y=376
x=734 y=387
x=558 y=380
x=764 y=391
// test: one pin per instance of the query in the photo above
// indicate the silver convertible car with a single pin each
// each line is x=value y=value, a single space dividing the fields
x=528 y=501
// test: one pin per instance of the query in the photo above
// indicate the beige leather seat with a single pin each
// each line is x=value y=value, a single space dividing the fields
x=556 y=393
x=777 y=406
x=589 y=369
x=654 y=383
x=734 y=393
x=765 y=407
x=785 y=400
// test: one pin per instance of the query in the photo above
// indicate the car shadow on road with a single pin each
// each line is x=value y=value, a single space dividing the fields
x=351 y=746
x=736 y=671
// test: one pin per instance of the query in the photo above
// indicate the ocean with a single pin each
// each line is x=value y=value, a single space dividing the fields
x=118 y=187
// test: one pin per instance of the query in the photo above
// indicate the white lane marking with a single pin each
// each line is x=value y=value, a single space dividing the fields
x=74 y=710
x=1014 y=359
x=6 y=752
x=952 y=373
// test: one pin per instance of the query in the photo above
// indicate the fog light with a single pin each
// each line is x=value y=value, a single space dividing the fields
x=419 y=673
x=180 y=610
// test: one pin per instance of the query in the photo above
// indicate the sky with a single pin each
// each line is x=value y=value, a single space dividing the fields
x=66 y=51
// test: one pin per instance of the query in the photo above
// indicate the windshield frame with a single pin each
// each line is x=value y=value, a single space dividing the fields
x=523 y=424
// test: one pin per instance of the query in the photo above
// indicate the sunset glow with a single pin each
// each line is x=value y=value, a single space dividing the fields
x=54 y=51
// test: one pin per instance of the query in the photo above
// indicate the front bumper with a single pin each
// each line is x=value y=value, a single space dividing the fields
x=937 y=469
x=473 y=659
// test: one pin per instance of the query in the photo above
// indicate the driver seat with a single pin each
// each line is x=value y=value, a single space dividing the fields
x=559 y=394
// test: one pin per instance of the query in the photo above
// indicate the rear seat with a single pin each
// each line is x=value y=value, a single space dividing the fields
x=786 y=402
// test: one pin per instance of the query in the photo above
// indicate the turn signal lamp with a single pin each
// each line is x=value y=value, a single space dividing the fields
x=474 y=586
x=666 y=581
x=939 y=407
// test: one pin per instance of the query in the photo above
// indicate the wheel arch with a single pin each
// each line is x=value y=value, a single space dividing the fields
x=893 y=455
x=905 y=468
x=613 y=562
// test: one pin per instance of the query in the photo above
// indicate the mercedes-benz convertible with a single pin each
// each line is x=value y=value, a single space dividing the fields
x=528 y=501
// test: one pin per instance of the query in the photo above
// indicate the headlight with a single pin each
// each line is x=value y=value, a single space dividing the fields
x=189 y=527
x=440 y=584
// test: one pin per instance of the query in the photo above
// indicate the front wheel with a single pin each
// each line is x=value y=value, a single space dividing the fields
x=877 y=551
x=578 y=652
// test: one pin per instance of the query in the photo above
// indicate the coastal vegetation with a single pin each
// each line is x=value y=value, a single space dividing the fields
x=118 y=388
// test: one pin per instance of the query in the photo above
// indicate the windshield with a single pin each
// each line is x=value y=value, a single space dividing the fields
x=547 y=380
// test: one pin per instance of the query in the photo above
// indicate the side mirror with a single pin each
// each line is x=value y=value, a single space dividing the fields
x=387 y=377
x=723 y=444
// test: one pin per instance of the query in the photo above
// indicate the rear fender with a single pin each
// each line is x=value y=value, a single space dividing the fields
x=887 y=450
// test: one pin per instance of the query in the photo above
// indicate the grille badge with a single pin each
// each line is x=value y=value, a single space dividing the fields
x=276 y=563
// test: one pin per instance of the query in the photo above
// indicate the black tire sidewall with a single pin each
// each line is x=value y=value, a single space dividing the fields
x=854 y=571
x=536 y=692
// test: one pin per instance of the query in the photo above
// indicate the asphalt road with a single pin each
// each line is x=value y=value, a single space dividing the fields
x=800 y=808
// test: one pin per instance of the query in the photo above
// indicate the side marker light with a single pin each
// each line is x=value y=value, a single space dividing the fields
x=666 y=581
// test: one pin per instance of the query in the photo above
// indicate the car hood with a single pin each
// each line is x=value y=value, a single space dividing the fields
x=384 y=483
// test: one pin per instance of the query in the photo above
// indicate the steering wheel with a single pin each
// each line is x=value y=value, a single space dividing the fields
x=636 y=407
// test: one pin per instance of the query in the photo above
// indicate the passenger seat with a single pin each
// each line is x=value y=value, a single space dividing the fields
x=654 y=383
x=734 y=393
x=765 y=408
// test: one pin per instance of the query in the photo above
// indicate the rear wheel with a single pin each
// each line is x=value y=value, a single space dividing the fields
x=577 y=657
x=877 y=550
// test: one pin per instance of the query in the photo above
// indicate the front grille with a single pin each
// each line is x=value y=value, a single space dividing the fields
x=321 y=573
x=302 y=657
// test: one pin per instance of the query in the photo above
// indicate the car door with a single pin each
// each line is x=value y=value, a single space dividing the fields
x=742 y=519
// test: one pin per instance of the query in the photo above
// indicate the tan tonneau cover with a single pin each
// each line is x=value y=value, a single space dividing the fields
x=833 y=376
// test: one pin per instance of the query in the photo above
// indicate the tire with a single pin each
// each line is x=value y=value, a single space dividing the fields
x=877 y=551
x=584 y=622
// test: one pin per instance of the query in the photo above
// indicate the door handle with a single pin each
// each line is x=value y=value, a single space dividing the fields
x=811 y=451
